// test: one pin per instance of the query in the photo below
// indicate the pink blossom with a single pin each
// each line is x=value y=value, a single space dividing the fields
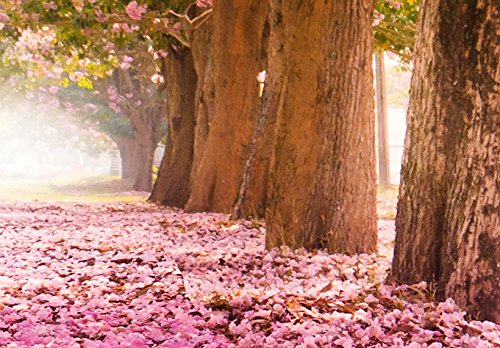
x=53 y=89
x=124 y=66
x=50 y=6
x=157 y=78
x=76 y=76
x=204 y=3
x=135 y=11
x=4 y=18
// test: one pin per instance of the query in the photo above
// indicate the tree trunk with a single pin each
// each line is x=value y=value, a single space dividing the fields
x=137 y=162
x=144 y=178
x=172 y=185
x=322 y=183
x=236 y=45
x=146 y=118
x=447 y=226
x=252 y=193
x=129 y=153
x=384 y=168
x=201 y=43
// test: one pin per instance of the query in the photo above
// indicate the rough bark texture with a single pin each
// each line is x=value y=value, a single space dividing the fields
x=237 y=31
x=172 y=185
x=447 y=226
x=252 y=193
x=322 y=183
x=201 y=45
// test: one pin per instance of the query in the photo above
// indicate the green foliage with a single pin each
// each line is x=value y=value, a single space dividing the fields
x=395 y=32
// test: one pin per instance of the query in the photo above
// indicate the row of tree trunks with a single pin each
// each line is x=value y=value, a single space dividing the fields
x=322 y=185
x=172 y=186
x=236 y=51
x=447 y=225
x=311 y=145
x=315 y=140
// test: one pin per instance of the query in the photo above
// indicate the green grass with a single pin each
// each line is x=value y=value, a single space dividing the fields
x=387 y=198
x=112 y=188
x=98 y=189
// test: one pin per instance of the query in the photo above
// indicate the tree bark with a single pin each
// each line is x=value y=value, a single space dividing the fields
x=129 y=153
x=144 y=177
x=172 y=185
x=447 y=225
x=322 y=183
x=236 y=45
x=384 y=168
x=252 y=193
x=137 y=161
x=201 y=45
x=146 y=118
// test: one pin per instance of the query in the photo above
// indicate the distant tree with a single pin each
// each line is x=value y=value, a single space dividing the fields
x=447 y=225
x=99 y=34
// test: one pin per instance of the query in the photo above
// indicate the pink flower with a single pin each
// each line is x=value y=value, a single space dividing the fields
x=76 y=76
x=134 y=11
x=204 y=3
x=4 y=18
x=100 y=17
x=157 y=78
x=53 y=89
x=126 y=62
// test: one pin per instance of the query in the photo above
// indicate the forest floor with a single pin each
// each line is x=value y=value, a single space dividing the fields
x=132 y=274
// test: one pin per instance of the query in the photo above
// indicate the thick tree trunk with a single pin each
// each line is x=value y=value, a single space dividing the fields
x=201 y=44
x=322 y=184
x=236 y=45
x=447 y=226
x=252 y=193
x=172 y=185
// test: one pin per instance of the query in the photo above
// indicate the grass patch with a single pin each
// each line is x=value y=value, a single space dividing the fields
x=387 y=198
x=98 y=189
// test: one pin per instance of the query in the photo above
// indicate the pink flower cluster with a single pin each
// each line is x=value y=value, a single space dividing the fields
x=137 y=275
x=135 y=11
x=4 y=18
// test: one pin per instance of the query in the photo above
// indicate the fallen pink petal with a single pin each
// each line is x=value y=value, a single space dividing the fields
x=137 y=275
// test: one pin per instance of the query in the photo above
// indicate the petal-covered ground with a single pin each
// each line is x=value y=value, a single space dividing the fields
x=136 y=275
